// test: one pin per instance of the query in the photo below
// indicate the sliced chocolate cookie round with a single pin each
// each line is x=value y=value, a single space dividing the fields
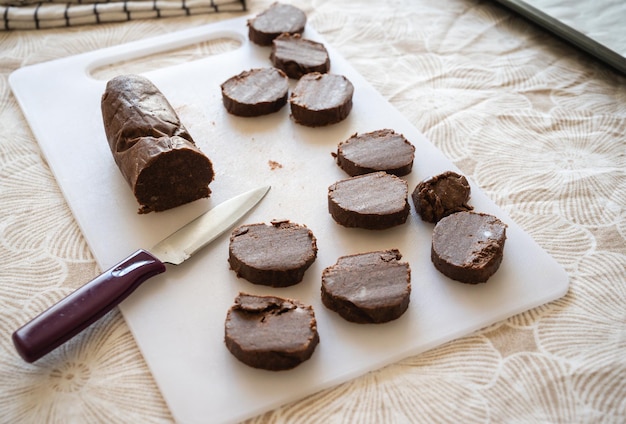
x=441 y=195
x=468 y=246
x=297 y=56
x=255 y=92
x=274 y=255
x=321 y=99
x=373 y=201
x=275 y=20
x=381 y=150
x=372 y=287
x=270 y=332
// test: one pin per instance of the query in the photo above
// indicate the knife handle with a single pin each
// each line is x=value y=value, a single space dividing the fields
x=84 y=306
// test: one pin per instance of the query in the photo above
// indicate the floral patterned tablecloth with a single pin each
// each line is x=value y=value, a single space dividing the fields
x=539 y=125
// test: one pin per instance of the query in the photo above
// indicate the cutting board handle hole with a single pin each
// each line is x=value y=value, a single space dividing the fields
x=164 y=58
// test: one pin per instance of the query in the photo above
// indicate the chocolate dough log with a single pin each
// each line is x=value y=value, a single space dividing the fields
x=468 y=246
x=270 y=333
x=151 y=147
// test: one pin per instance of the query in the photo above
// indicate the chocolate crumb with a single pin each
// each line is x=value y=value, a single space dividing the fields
x=274 y=165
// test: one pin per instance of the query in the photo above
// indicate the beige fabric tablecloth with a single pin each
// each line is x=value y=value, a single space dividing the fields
x=538 y=125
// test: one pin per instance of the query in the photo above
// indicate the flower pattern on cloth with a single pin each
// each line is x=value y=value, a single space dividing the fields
x=82 y=381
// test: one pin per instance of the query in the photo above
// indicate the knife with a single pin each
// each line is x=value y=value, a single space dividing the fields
x=89 y=303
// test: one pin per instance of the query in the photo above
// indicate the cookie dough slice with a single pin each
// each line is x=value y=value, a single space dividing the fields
x=374 y=201
x=468 y=246
x=297 y=56
x=321 y=99
x=441 y=195
x=270 y=333
x=255 y=92
x=275 y=254
x=277 y=19
x=373 y=287
x=381 y=150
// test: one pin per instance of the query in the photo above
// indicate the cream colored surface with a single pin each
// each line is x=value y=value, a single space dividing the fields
x=538 y=125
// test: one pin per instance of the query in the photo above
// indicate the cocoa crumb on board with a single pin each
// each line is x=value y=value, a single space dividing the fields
x=274 y=165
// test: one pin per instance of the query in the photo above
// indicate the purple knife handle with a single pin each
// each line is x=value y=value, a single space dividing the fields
x=86 y=305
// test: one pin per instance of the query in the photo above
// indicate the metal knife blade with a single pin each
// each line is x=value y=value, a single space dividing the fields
x=86 y=305
x=180 y=245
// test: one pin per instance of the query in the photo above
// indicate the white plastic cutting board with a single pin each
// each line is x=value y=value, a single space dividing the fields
x=178 y=317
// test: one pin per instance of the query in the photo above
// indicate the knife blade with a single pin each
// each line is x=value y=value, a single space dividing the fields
x=86 y=305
